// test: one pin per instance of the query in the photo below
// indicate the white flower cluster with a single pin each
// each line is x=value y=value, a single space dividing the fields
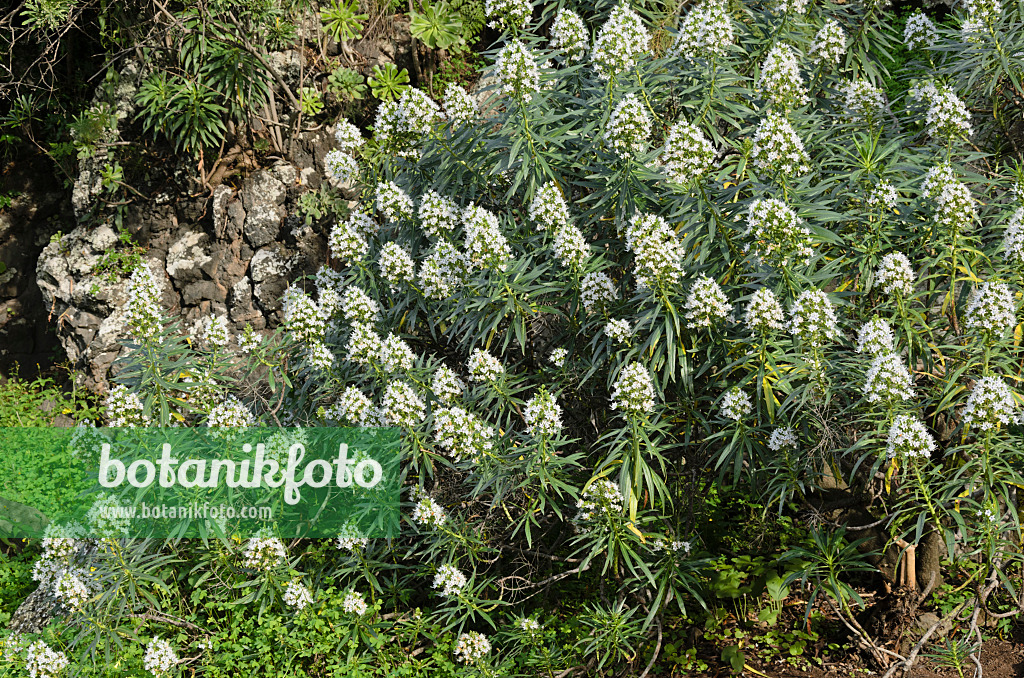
x=446 y=385
x=548 y=208
x=571 y=248
x=429 y=513
x=529 y=625
x=706 y=32
x=884 y=197
x=458 y=105
x=347 y=136
x=764 y=313
x=813 y=318
x=991 y=308
x=569 y=34
x=297 y=595
x=543 y=415
x=346 y=241
x=706 y=304
x=73 y=588
x=919 y=32
x=780 y=83
x=601 y=497
x=439 y=215
x=471 y=647
x=396 y=355
x=340 y=167
x=895 y=274
x=263 y=552
x=303 y=317
x=143 y=316
x=783 y=437
x=909 y=439
x=462 y=434
x=160 y=657
x=735 y=404
x=231 y=412
x=486 y=245
x=628 y=127
x=351 y=539
x=1013 y=238
x=401 y=405
x=363 y=345
x=212 y=330
x=947 y=116
x=979 y=13
x=633 y=392
x=790 y=6
x=394 y=203
x=406 y=121
x=45 y=662
x=516 y=71
x=955 y=209
x=688 y=154
x=506 y=15
x=484 y=367
x=353 y=603
x=865 y=103
x=107 y=517
x=596 y=290
x=249 y=340
x=620 y=42
x=829 y=44
x=396 y=266
x=777 y=148
x=449 y=580
x=442 y=271
x=776 y=235
x=875 y=337
x=990 y=404
x=657 y=254
x=124 y=408
x=358 y=307
x=888 y=381
x=558 y=357
x=619 y=330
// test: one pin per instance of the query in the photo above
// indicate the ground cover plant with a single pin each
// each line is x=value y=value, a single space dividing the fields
x=687 y=325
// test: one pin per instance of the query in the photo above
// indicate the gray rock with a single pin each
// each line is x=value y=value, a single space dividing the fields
x=186 y=257
x=262 y=224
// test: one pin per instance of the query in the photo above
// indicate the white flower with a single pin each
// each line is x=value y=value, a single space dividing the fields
x=688 y=155
x=143 y=316
x=1013 y=238
x=471 y=647
x=401 y=405
x=895 y=274
x=319 y=356
x=386 y=124
x=782 y=438
x=347 y=136
x=705 y=32
x=829 y=44
x=446 y=385
x=813 y=318
x=160 y=657
x=543 y=415
x=297 y=595
x=429 y=513
x=353 y=603
x=620 y=42
x=777 y=148
x=706 y=304
x=352 y=406
x=462 y=434
x=558 y=357
x=394 y=203
x=736 y=404
x=601 y=497
x=865 y=103
x=508 y=14
x=548 y=209
x=628 y=127
x=263 y=552
x=991 y=308
x=764 y=312
x=458 y=105
x=919 y=32
x=396 y=266
x=396 y=355
x=439 y=215
x=596 y=290
x=230 y=413
x=990 y=404
x=107 y=516
x=486 y=246
x=780 y=83
x=417 y=114
x=909 y=438
x=529 y=625
x=358 y=307
x=884 y=197
x=124 y=408
x=341 y=167
x=947 y=116
x=633 y=392
x=351 y=539
x=42 y=661
x=569 y=33
x=213 y=331
x=303 y=317
x=619 y=330
x=249 y=340
x=442 y=272
x=955 y=205
x=888 y=380
x=364 y=345
x=72 y=588
x=516 y=71
x=657 y=252
x=875 y=337
x=347 y=243
x=776 y=235
x=449 y=580
x=791 y=6
x=483 y=367
x=571 y=248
